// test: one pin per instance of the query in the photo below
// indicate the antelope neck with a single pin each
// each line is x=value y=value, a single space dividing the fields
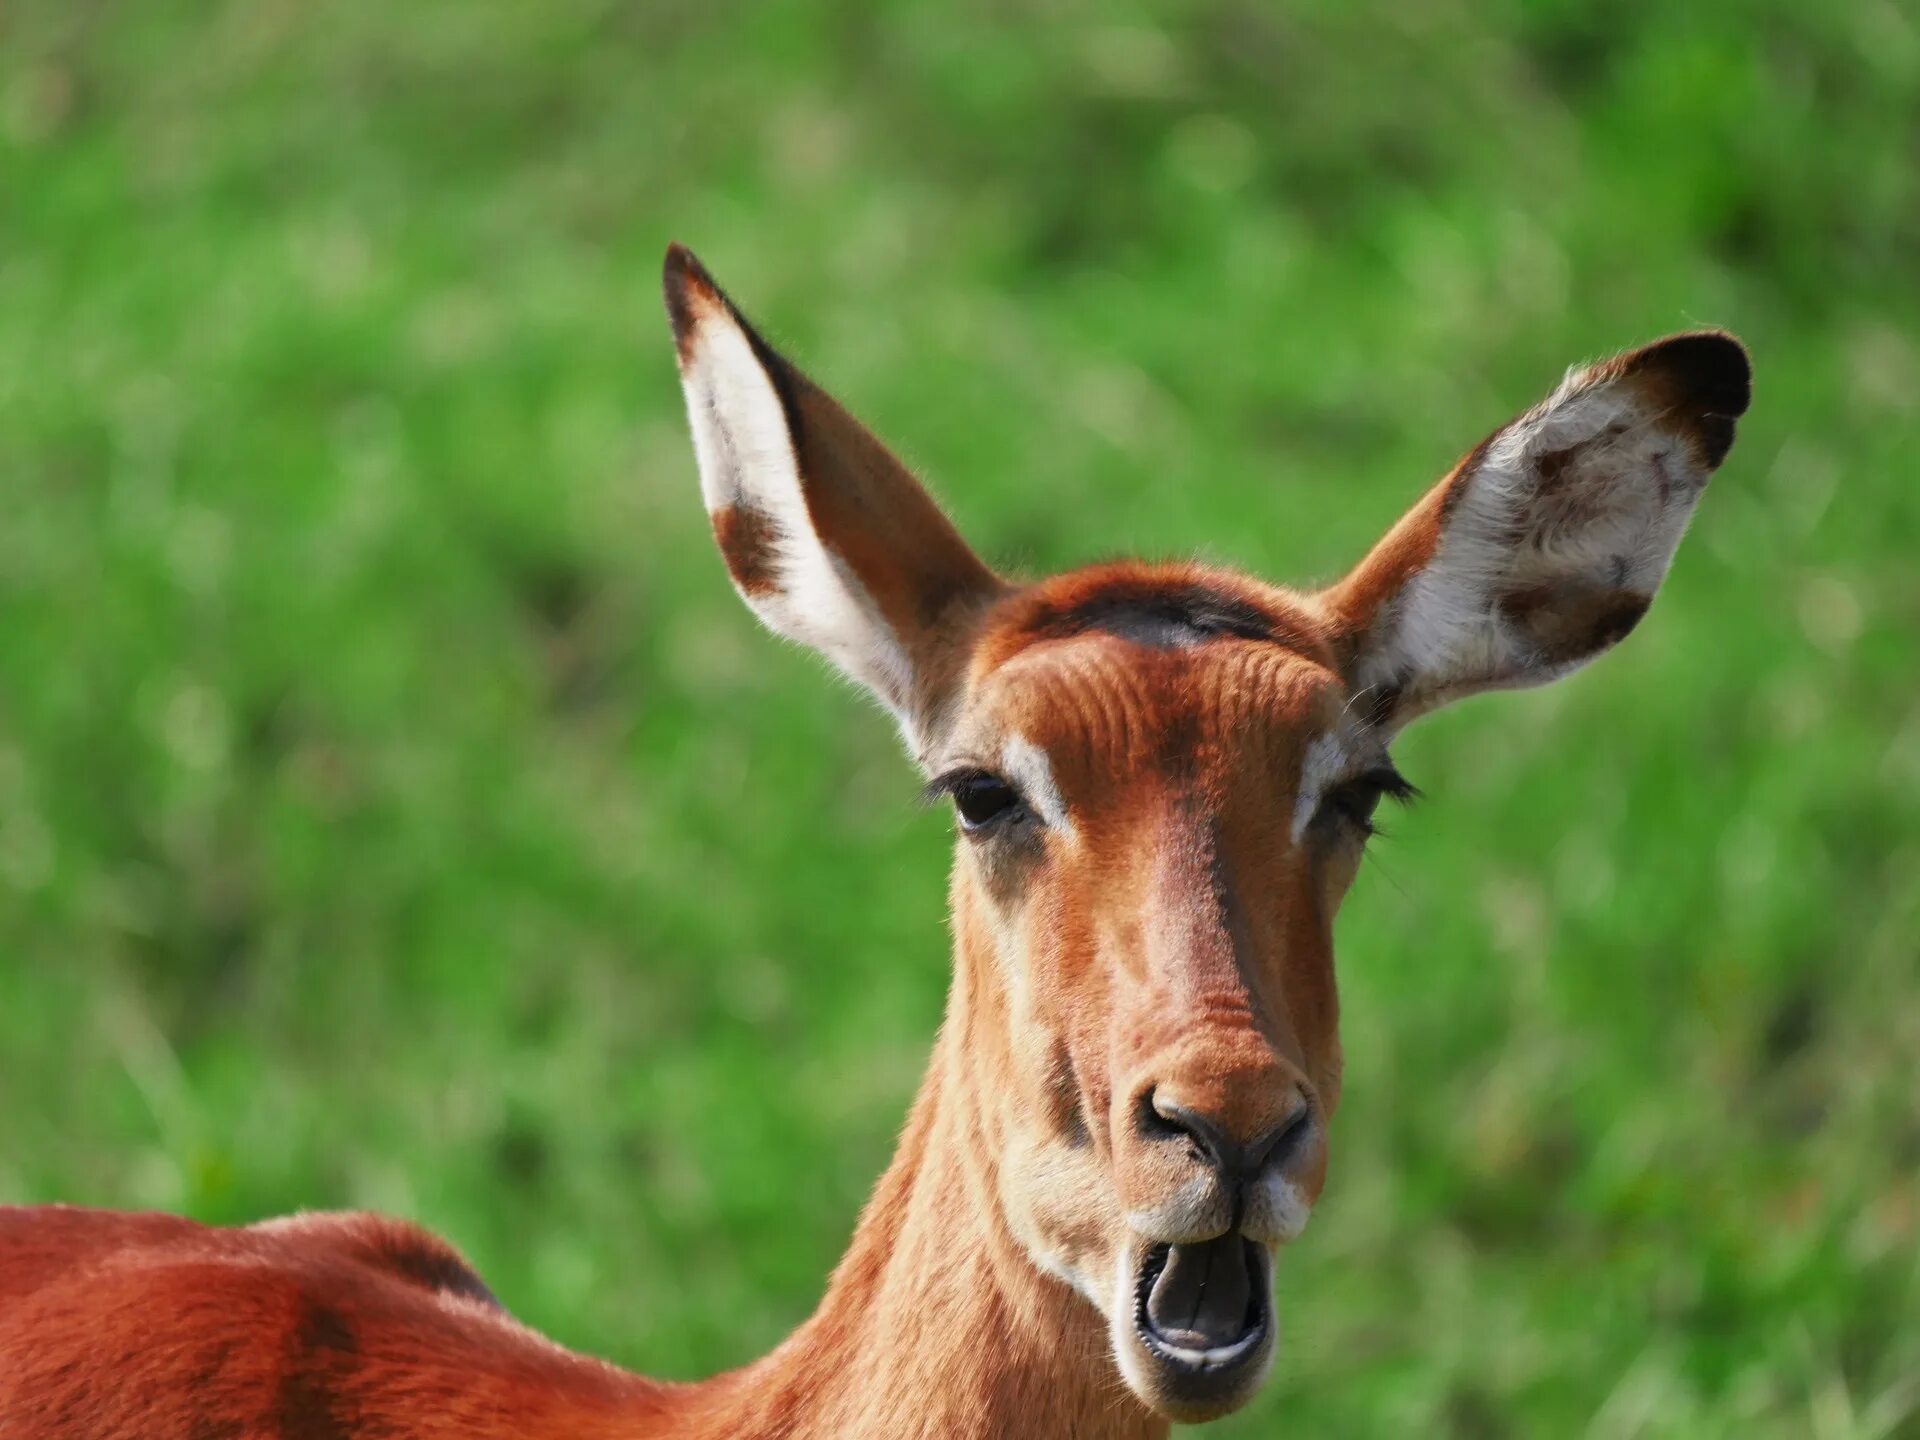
x=936 y=1322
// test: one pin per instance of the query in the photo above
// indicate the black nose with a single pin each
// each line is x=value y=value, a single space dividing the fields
x=1236 y=1161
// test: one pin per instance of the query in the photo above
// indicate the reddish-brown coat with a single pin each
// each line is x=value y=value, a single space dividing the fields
x=1177 y=942
x=149 y=1327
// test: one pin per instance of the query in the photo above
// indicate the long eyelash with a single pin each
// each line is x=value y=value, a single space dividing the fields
x=1395 y=786
x=947 y=782
x=1392 y=785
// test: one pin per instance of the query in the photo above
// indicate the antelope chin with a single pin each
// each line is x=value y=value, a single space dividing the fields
x=1194 y=1327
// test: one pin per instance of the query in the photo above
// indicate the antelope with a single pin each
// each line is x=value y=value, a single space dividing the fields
x=1164 y=776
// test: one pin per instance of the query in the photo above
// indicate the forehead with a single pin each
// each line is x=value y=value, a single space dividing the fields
x=1127 y=667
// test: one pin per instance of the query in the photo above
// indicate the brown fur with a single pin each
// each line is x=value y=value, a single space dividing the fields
x=1143 y=984
x=749 y=544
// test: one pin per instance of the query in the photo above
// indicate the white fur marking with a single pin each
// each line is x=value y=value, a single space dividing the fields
x=1326 y=762
x=1027 y=766
x=1277 y=1210
x=1195 y=1212
x=747 y=460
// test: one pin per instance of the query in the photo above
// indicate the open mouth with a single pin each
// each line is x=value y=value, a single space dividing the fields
x=1203 y=1309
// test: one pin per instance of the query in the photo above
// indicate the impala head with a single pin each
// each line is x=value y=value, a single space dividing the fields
x=1164 y=778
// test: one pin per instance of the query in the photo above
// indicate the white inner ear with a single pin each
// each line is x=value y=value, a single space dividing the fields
x=747 y=461
x=1590 y=492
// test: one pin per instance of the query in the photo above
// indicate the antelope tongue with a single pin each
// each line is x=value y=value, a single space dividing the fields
x=1201 y=1298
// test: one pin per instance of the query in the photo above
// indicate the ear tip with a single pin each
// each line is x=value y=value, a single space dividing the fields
x=1710 y=369
x=685 y=283
x=681 y=263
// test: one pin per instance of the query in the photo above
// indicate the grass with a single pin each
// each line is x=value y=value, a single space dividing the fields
x=398 y=810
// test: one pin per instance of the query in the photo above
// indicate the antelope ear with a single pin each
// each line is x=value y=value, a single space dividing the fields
x=827 y=536
x=1545 y=545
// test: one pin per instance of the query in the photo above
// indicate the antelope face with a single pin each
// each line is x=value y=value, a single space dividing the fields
x=1164 y=778
x=1162 y=792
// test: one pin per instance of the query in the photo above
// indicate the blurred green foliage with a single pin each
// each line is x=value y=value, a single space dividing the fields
x=397 y=809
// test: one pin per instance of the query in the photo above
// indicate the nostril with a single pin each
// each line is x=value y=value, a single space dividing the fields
x=1160 y=1119
x=1281 y=1145
x=1163 y=1119
x=1152 y=1120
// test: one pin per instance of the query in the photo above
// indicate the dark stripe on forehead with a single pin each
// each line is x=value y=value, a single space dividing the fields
x=1158 y=614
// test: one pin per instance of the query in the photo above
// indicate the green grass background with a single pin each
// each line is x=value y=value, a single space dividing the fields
x=397 y=809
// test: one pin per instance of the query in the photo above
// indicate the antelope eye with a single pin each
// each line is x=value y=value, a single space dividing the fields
x=1355 y=800
x=981 y=799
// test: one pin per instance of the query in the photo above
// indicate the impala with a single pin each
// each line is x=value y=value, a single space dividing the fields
x=1164 y=777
